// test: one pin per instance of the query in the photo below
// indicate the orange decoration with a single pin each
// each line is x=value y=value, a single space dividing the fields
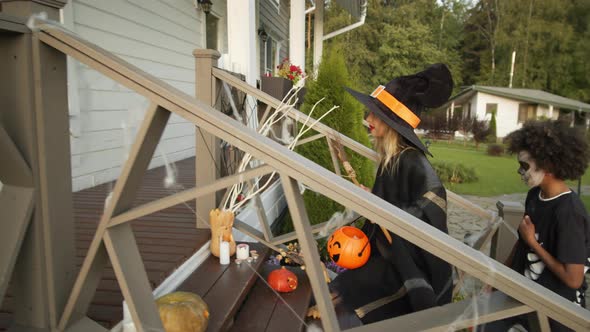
x=282 y=280
x=349 y=247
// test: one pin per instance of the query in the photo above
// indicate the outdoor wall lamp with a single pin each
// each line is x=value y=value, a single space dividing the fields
x=263 y=35
x=204 y=5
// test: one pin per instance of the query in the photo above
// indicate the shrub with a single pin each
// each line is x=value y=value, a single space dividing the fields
x=454 y=172
x=480 y=130
x=495 y=150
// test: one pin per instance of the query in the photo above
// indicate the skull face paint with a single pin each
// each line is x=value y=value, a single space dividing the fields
x=529 y=173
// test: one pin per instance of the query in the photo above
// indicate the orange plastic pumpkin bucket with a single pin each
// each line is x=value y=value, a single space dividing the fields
x=349 y=247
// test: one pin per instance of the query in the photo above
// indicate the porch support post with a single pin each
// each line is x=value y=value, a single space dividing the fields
x=242 y=39
x=34 y=111
x=318 y=35
x=297 y=34
x=207 y=145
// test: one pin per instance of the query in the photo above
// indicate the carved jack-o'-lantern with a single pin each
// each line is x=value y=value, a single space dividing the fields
x=282 y=280
x=349 y=247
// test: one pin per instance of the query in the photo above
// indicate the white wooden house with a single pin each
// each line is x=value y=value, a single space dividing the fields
x=515 y=106
x=159 y=36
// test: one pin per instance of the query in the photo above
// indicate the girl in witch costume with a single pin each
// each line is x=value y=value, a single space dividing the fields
x=399 y=277
x=554 y=236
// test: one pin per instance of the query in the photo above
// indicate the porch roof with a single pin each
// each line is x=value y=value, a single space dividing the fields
x=528 y=95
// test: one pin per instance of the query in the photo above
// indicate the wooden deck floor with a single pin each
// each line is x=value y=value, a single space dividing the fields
x=166 y=239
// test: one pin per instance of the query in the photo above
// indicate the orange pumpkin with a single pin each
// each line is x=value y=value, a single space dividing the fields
x=349 y=247
x=183 y=312
x=282 y=280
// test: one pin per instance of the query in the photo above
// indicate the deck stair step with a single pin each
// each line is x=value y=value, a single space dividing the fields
x=224 y=287
x=263 y=310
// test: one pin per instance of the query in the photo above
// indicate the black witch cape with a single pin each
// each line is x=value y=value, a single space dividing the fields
x=400 y=278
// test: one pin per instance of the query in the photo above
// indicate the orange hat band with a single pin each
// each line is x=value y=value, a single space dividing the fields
x=396 y=106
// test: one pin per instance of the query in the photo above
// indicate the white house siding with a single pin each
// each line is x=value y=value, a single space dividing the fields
x=276 y=24
x=157 y=36
x=506 y=116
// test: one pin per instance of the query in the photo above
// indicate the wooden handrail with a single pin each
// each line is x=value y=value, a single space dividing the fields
x=294 y=167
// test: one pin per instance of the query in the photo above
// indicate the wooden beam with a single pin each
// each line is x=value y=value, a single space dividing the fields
x=262 y=219
x=188 y=194
x=454 y=316
x=265 y=115
x=132 y=278
x=484 y=239
x=335 y=162
x=124 y=193
x=52 y=173
x=254 y=233
x=14 y=170
x=206 y=144
x=311 y=258
x=85 y=324
x=11 y=23
x=543 y=323
x=293 y=235
x=310 y=139
x=467 y=205
x=16 y=207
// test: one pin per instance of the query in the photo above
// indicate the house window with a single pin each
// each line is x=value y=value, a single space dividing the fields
x=491 y=108
x=211 y=26
x=468 y=110
x=526 y=112
x=271 y=54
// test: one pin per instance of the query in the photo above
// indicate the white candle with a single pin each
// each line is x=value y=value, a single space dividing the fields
x=224 y=253
x=242 y=251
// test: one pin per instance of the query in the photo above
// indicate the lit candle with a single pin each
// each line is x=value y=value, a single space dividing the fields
x=242 y=251
x=224 y=253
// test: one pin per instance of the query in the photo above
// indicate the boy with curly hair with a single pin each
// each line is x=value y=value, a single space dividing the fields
x=553 y=245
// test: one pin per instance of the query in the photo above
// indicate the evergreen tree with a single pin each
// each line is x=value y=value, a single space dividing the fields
x=332 y=77
x=398 y=38
x=492 y=130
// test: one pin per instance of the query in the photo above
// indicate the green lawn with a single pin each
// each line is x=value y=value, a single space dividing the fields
x=497 y=175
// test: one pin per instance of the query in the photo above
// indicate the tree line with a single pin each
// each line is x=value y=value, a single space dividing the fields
x=476 y=39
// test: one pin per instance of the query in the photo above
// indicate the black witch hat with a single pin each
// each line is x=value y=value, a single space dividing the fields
x=401 y=101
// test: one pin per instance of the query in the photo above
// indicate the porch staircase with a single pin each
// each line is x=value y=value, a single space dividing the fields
x=240 y=300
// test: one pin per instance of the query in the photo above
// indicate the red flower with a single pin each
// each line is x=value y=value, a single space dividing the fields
x=289 y=71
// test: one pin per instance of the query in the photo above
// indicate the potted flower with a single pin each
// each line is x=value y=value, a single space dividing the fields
x=289 y=71
x=287 y=75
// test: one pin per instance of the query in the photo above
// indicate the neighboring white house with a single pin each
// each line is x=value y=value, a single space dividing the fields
x=515 y=106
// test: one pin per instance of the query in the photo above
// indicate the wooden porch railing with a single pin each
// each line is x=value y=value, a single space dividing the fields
x=114 y=239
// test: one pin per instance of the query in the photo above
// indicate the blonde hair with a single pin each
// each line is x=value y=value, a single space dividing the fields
x=389 y=147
